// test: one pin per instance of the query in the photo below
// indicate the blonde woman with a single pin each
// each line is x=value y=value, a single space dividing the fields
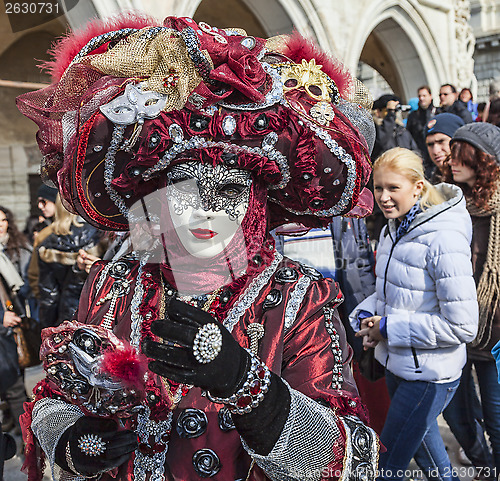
x=59 y=285
x=423 y=312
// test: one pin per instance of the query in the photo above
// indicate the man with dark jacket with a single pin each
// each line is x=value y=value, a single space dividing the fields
x=450 y=103
x=390 y=131
x=418 y=119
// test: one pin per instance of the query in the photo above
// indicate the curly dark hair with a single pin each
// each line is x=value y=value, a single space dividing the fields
x=484 y=165
x=17 y=239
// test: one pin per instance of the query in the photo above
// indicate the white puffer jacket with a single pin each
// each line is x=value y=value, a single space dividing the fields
x=426 y=290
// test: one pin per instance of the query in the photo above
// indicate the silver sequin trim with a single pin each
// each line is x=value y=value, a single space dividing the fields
x=337 y=376
x=198 y=142
x=155 y=464
x=103 y=276
x=247 y=298
x=135 y=335
x=361 y=451
x=109 y=169
x=296 y=298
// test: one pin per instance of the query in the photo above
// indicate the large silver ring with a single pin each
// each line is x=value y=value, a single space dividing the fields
x=91 y=445
x=207 y=343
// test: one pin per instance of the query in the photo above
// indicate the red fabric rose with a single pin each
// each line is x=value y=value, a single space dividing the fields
x=277 y=122
x=243 y=71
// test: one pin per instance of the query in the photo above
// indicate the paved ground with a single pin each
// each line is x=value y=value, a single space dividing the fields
x=33 y=375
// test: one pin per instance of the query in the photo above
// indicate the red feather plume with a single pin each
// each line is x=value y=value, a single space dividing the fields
x=299 y=47
x=66 y=48
x=126 y=365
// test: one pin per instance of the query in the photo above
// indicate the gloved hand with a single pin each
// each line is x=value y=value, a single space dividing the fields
x=111 y=448
x=222 y=376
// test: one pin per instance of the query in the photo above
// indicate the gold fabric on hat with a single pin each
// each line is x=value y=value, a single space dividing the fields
x=277 y=44
x=361 y=95
x=163 y=62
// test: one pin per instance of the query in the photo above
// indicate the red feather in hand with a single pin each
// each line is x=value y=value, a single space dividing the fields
x=125 y=365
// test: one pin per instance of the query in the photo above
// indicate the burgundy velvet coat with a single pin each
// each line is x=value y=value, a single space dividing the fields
x=296 y=345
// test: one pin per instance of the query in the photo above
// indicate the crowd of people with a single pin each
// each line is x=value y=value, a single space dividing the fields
x=214 y=305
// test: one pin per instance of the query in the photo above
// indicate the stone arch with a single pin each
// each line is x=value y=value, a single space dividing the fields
x=394 y=39
x=19 y=63
x=274 y=16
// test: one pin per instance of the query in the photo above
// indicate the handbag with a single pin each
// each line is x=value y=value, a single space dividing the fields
x=369 y=367
x=9 y=367
x=28 y=337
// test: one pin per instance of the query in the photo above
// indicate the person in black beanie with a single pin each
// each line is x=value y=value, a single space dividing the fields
x=438 y=134
x=46 y=199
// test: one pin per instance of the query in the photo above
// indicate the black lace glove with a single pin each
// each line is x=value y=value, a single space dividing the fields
x=175 y=358
x=95 y=446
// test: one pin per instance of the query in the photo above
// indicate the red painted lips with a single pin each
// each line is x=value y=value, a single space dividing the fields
x=203 y=233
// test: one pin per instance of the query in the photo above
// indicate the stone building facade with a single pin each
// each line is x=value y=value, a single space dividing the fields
x=409 y=42
x=485 y=22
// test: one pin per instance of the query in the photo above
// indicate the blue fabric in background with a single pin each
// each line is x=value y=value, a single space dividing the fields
x=496 y=355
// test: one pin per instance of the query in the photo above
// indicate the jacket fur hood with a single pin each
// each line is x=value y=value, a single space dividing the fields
x=63 y=249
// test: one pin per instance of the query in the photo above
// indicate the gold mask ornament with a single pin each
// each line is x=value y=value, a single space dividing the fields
x=309 y=76
x=317 y=84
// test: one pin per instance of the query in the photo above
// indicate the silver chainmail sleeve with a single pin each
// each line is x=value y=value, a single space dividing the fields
x=50 y=419
x=309 y=443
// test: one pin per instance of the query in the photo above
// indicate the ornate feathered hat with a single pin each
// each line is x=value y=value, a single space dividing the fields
x=131 y=97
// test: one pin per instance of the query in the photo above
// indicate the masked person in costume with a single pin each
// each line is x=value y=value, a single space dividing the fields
x=200 y=140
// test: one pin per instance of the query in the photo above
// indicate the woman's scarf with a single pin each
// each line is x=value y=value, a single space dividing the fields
x=488 y=288
x=408 y=219
x=9 y=272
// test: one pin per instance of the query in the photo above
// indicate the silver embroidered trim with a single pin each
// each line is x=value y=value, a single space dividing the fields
x=101 y=40
x=295 y=300
x=337 y=375
x=344 y=157
x=102 y=277
x=109 y=168
x=136 y=324
x=361 y=451
x=155 y=464
x=118 y=35
x=247 y=298
x=198 y=142
x=305 y=447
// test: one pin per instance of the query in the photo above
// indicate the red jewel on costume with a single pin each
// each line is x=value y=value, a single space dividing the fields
x=171 y=79
x=255 y=388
